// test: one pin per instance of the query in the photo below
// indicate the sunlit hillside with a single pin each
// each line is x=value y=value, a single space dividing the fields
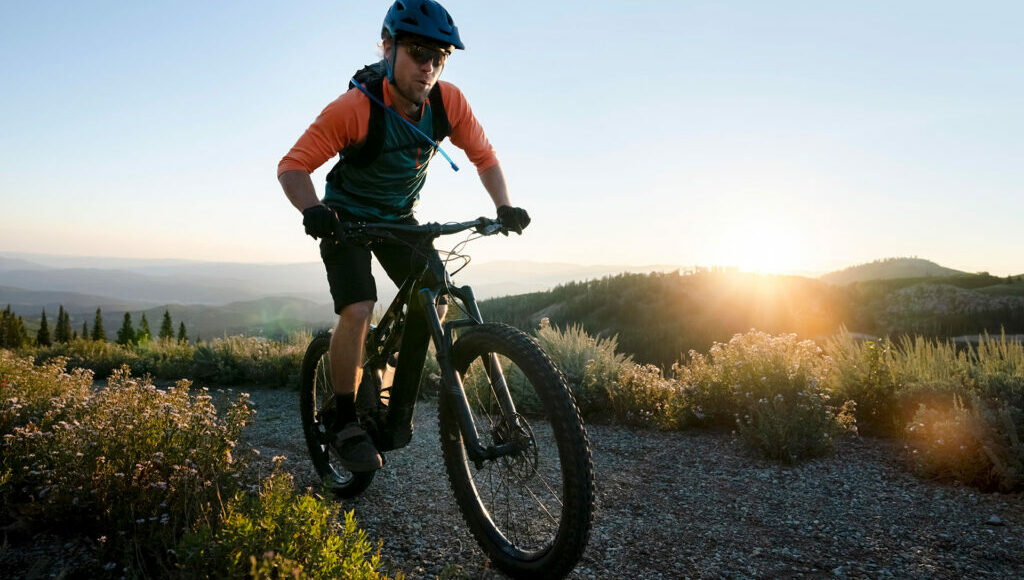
x=657 y=316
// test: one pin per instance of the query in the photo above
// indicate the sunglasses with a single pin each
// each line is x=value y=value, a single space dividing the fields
x=423 y=54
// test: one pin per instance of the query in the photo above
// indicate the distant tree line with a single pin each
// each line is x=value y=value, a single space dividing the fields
x=14 y=335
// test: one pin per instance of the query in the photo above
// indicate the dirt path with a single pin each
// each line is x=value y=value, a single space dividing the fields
x=675 y=505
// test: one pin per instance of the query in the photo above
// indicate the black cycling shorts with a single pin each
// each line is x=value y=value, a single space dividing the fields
x=348 y=266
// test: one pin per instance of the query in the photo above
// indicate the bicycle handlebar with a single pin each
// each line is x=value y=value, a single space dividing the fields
x=431 y=230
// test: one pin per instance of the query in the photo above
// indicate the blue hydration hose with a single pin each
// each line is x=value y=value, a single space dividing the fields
x=416 y=129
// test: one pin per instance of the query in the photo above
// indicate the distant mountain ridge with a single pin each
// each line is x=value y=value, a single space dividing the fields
x=889 y=269
x=212 y=283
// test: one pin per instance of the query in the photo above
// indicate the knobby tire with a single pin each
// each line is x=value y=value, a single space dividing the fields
x=535 y=521
x=314 y=390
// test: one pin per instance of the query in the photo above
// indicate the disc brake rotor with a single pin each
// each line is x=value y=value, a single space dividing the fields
x=522 y=464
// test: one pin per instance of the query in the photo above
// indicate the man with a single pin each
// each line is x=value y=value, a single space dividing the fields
x=379 y=177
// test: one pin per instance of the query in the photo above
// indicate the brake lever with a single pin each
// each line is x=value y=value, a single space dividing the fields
x=488 y=229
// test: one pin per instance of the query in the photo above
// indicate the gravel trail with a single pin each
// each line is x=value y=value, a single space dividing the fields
x=693 y=505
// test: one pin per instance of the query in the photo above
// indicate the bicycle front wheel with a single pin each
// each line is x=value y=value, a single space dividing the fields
x=315 y=398
x=531 y=511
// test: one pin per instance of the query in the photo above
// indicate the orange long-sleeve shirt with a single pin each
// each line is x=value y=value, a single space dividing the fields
x=345 y=121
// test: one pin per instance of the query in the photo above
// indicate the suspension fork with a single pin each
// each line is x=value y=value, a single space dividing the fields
x=493 y=366
x=452 y=390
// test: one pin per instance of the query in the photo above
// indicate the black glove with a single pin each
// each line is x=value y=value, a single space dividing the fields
x=319 y=221
x=514 y=219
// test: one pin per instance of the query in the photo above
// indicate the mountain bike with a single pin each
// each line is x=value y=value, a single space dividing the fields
x=513 y=442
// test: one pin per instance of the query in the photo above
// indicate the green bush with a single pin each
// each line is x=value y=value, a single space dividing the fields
x=130 y=463
x=978 y=444
x=863 y=372
x=771 y=389
x=277 y=533
x=101 y=357
x=643 y=397
x=250 y=360
x=590 y=365
x=28 y=392
x=960 y=406
x=142 y=471
x=227 y=361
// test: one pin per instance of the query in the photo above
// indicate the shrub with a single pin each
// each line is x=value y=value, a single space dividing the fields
x=771 y=389
x=863 y=372
x=28 y=392
x=277 y=533
x=228 y=361
x=642 y=396
x=250 y=360
x=141 y=471
x=131 y=464
x=978 y=444
x=794 y=427
x=590 y=365
x=101 y=357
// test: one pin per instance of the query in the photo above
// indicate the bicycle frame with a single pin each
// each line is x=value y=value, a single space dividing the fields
x=408 y=325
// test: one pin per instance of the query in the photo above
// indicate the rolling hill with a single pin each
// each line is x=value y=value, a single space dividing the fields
x=888 y=269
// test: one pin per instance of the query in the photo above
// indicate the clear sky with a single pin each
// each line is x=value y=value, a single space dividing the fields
x=773 y=135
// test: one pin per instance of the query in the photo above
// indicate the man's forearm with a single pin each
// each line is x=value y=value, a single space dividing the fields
x=299 y=188
x=494 y=182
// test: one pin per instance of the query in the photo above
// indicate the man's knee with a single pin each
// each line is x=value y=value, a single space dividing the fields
x=357 y=313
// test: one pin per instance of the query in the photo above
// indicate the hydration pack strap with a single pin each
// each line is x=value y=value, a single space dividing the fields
x=415 y=129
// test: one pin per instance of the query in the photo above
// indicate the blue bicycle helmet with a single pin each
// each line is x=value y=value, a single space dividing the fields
x=425 y=18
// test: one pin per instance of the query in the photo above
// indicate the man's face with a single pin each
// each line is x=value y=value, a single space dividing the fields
x=417 y=67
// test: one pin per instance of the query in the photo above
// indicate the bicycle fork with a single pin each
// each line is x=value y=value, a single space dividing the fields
x=452 y=390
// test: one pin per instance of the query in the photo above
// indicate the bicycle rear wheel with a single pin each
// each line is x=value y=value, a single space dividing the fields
x=315 y=397
x=531 y=511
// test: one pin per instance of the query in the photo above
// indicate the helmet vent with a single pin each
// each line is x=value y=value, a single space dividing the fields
x=423 y=9
x=399 y=6
x=450 y=21
x=411 y=21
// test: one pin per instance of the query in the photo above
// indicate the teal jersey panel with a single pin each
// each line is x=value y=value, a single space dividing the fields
x=389 y=188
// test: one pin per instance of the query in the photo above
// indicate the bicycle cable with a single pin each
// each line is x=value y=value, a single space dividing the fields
x=419 y=250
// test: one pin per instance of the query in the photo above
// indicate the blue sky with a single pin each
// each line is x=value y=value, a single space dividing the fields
x=777 y=136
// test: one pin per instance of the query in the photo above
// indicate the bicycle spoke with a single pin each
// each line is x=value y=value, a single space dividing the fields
x=526 y=505
x=541 y=504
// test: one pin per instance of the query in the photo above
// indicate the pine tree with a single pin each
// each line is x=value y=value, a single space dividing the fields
x=143 y=335
x=43 y=336
x=166 y=327
x=126 y=334
x=12 y=330
x=85 y=331
x=62 y=333
x=98 y=333
x=182 y=337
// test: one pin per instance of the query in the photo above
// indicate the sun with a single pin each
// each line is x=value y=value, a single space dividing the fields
x=761 y=245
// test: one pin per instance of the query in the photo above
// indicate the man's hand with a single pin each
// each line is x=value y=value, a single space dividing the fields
x=513 y=218
x=319 y=221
